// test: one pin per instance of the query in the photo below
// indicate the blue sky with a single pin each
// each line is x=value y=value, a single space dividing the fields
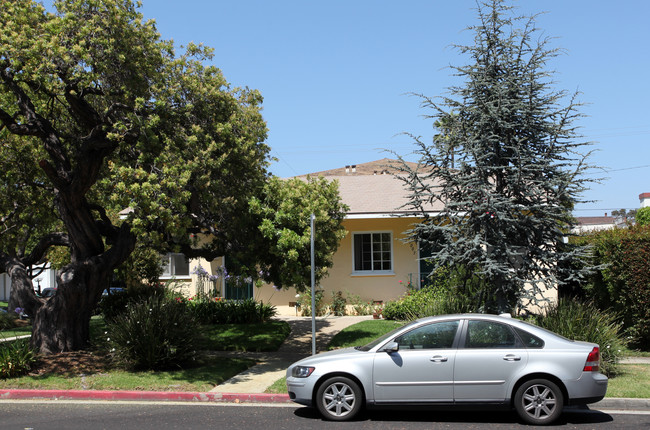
x=335 y=74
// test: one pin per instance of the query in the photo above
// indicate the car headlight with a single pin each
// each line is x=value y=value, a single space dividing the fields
x=302 y=371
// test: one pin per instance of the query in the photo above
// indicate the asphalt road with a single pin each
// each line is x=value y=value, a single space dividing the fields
x=45 y=415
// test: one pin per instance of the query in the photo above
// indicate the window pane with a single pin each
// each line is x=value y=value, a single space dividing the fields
x=181 y=265
x=529 y=340
x=164 y=263
x=372 y=251
x=431 y=336
x=362 y=254
x=487 y=334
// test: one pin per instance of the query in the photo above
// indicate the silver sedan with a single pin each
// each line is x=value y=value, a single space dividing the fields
x=467 y=360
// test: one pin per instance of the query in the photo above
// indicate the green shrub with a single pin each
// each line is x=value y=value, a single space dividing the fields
x=156 y=333
x=584 y=321
x=304 y=303
x=360 y=307
x=7 y=320
x=16 y=358
x=642 y=216
x=428 y=301
x=339 y=303
x=215 y=311
x=115 y=304
x=623 y=282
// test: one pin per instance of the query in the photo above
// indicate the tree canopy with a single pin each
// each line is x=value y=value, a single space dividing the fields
x=284 y=214
x=507 y=164
x=99 y=116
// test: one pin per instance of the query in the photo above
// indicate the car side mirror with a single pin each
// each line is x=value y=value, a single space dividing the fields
x=391 y=347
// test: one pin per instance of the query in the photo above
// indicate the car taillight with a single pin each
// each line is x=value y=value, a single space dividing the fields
x=593 y=361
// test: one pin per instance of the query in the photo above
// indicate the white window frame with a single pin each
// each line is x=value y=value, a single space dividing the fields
x=172 y=268
x=373 y=272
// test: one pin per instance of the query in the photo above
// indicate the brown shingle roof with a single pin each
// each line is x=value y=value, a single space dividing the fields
x=370 y=189
x=379 y=167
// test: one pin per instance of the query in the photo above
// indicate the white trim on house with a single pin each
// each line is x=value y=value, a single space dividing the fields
x=381 y=215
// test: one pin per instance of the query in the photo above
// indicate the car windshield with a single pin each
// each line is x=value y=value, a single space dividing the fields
x=379 y=340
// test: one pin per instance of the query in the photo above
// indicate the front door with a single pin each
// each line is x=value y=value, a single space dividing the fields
x=423 y=368
x=238 y=290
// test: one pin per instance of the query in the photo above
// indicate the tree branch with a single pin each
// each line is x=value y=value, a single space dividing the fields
x=35 y=124
x=41 y=248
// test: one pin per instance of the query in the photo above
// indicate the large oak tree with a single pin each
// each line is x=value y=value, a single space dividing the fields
x=99 y=114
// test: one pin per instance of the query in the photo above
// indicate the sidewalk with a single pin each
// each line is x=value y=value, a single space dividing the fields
x=299 y=345
x=249 y=386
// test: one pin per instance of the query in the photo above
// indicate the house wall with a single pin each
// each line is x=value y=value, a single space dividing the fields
x=369 y=288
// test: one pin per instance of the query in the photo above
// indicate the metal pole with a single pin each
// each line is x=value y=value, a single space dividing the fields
x=313 y=290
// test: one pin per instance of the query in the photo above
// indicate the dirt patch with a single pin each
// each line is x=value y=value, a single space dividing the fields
x=71 y=363
x=21 y=323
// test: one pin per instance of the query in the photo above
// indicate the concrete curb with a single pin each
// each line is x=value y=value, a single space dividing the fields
x=622 y=404
x=610 y=403
x=23 y=394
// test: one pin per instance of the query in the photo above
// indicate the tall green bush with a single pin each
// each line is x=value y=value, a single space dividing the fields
x=586 y=322
x=155 y=333
x=642 y=216
x=623 y=282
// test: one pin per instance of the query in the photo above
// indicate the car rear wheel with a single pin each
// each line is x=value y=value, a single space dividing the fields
x=539 y=401
x=339 y=398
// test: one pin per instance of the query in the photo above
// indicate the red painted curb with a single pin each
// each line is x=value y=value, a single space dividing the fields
x=144 y=395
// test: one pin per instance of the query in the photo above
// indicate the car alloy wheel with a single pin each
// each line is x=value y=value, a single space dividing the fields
x=539 y=401
x=339 y=398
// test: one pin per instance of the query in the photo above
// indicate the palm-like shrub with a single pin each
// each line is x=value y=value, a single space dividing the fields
x=584 y=321
x=16 y=358
x=155 y=333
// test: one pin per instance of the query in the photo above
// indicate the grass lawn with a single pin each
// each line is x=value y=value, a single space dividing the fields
x=362 y=333
x=16 y=331
x=205 y=376
x=632 y=381
x=244 y=337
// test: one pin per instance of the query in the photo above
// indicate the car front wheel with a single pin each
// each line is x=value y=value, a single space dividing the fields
x=539 y=401
x=339 y=398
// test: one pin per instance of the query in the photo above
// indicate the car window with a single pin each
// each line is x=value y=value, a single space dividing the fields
x=529 y=340
x=379 y=340
x=489 y=334
x=430 y=336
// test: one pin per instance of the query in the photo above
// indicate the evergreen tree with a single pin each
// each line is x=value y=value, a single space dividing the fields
x=507 y=165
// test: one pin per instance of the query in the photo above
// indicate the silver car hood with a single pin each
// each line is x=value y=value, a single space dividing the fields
x=329 y=354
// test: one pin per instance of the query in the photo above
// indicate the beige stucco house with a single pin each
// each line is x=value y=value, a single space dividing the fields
x=373 y=260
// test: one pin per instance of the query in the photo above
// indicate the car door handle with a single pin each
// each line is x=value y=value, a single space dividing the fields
x=438 y=359
x=511 y=357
